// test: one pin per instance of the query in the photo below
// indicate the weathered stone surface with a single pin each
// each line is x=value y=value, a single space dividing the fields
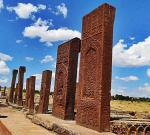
x=95 y=69
x=63 y=127
x=65 y=79
x=16 y=93
x=22 y=70
x=45 y=91
x=13 y=82
x=27 y=93
x=4 y=91
x=131 y=126
x=31 y=94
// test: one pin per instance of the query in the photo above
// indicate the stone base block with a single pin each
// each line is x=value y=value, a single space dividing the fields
x=63 y=127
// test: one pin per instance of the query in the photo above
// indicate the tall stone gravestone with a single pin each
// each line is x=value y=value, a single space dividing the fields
x=95 y=69
x=45 y=91
x=13 y=82
x=27 y=92
x=16 y=93
x=22 y=70
x=65 y=79
x=31 y=94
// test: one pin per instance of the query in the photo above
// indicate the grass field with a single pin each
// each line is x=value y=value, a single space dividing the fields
x=138 y=107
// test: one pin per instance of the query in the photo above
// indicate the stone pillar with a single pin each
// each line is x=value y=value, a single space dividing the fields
x=16 y=93
x=65 y=79
x=22 y=70
x=0 y=91
x=45 y=91
x=4 y=92
x=12 y=89
x=31 y=94
x=95 y=69
x=27 y=92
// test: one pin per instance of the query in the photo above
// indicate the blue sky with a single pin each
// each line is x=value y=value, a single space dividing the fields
x=30 y=32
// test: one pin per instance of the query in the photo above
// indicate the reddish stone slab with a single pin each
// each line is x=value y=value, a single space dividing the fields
x=45 y=91
x=13 y=82
x=27 y=92
x=65 y=79
x=16 y=93
x=4 y=92
x=31 y=94
x=95 y=69
x=22 y=70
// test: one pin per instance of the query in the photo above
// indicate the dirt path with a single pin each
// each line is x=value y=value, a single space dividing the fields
x=18 y=124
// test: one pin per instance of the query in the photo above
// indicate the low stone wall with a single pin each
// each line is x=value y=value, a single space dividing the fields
x=131 y=127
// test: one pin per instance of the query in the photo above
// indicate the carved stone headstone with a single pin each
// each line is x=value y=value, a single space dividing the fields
x=27 y=92
x=95 y=69
x=45 y=91
x=31 y=94
x=65 y=79
x=16 y=93
x=22 y=70
x=13 y=82
x=4 y=92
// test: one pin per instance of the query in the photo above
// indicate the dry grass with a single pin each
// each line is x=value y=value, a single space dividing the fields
x=139 y=107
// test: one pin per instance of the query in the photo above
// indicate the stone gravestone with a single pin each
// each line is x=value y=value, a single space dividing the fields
x=22 y=70
x=95 y=69
x=65 y=79
x=31 y=94
x=45 y=91
x=4 y=92
x=27 y=92
x=0 y=91
x=13 y=82
x=16 y=93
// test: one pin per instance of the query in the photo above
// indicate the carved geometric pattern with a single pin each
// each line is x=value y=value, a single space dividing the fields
x=65 y=79
x=45 y=91
x=93 y=110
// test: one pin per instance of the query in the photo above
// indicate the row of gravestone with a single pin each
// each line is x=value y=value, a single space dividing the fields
x=93 y=95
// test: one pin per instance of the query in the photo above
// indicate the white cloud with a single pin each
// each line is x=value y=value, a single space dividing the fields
x=4 y=69
x=19 y=41
x=144 y=90
x=41 y=6
x=148 y=72
x=62 y=9
x=1 y=4
x=135 y=55
x=41 y=22
x=128 y=78
x=47 y=58
x=28 y=59
x=40 y=29
x=119 y=90
x=25 y=11
x=3 y=81
x=132 y=38
x=5 y=57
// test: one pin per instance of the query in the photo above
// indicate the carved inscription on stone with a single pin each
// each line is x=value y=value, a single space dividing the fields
x=45 y=91
x=22 y=70
x=12 y=90
x=95 y=69
x=65 y=79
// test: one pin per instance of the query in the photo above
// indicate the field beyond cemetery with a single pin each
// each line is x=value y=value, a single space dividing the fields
x=140 y=107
